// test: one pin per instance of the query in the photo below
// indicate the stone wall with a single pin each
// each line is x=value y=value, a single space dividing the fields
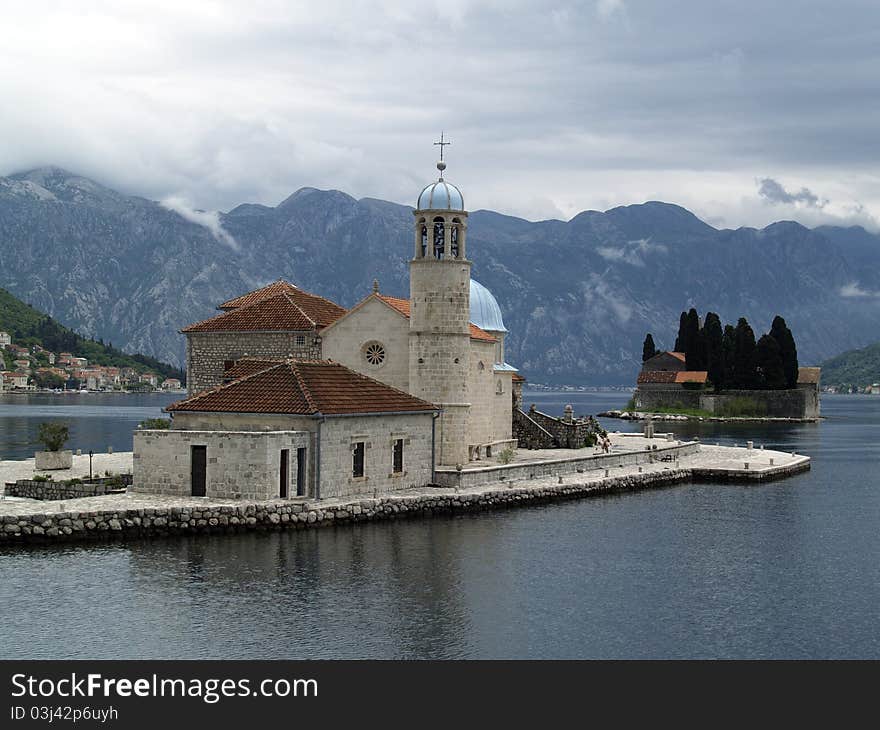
x=345 y=340
x=240 y=464
x=33 y=489
x=647 y=397
x=378 y=433
x=536 y=430
x=206 y=352
x=529 y=434
x=802 y=402
x=468 y=478
x=278 y=515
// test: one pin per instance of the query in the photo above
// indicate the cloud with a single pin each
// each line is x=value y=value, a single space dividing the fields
x=632 y=252
x=605 y=9
x=600 y=104
x=854 y=291
x=773 y=192
x=204 y=218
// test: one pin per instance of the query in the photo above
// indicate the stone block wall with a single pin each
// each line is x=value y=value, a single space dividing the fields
x=793 y=403
x=206 y=352
x=536 y=430
x=338 y=436
x=240 y=464
x=33 y=489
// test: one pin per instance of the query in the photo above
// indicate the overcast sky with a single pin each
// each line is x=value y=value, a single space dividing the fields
x=745 y=112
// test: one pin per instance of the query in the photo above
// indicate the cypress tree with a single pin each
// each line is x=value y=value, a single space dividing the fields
x=712 y=339
x=648 y=348
x=680 y=340
x=780 y=332
x=768 y=359
x=745 y=369
x=728 y=358
x=694 y=348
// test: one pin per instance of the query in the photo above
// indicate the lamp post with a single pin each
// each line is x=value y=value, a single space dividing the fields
x=91 y=454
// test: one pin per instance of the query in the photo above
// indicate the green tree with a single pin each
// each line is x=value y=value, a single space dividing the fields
x=728 y=357
x=680 y=339
x=648 y=348
x=713 y=337
x=745 y=368
x=53 y=435
x=49 y=380
x=768 y=360
x=780 y=332
x=694 y=347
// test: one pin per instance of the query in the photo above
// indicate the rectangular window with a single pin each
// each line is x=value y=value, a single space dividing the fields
x=357 y=459
x=397 y=457
x=300 y=339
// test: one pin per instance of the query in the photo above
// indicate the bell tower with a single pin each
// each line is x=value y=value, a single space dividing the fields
x=439 y=336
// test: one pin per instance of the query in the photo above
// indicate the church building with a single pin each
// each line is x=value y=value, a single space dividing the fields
x=292 y=394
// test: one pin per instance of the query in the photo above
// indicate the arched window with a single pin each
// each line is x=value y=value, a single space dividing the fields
x=439 y=237
x=424 y=237
x=456 y=225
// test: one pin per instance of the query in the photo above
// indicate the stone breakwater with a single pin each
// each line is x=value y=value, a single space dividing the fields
x=213 y=519
x=137 y=516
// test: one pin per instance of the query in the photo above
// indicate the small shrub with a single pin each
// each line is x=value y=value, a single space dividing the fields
x=630 y=404
x=505 y=456
x=53 y=435
x=75 y=480
x=42 y=478
x=155 y=424
x=115 y=481
x=591 y=439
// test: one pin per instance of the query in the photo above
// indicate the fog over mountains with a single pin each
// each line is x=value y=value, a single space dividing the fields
x=577 y=296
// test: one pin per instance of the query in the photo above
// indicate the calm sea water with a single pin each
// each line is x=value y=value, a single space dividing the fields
x=786 y=569
x=95 y=420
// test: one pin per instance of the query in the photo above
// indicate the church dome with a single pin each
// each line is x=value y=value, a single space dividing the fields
x=440 y=195
x=485 y=312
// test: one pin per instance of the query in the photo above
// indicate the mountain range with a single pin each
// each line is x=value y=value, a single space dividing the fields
x=577 y=296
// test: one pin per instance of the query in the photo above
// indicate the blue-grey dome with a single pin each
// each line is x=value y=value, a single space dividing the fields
x=485 y=312
x=440 y=195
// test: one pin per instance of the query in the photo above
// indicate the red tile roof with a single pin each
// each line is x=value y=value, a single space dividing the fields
x=276 y=287
x=680 y=355
x=402 y=306
x=248 y=366
x=657 y=377
x=691 y=376
x=303 y=388
x=517 y=378
x=280 y=312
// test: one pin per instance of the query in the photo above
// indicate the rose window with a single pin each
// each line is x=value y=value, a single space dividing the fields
x=375 y=353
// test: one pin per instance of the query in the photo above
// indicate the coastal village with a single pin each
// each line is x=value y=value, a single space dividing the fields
x=36 y=368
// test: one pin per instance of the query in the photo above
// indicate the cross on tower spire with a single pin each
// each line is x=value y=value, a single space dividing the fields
x=442 y=143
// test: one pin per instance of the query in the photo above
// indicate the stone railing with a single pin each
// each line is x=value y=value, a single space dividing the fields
x=529 y=434
x=536 y=430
